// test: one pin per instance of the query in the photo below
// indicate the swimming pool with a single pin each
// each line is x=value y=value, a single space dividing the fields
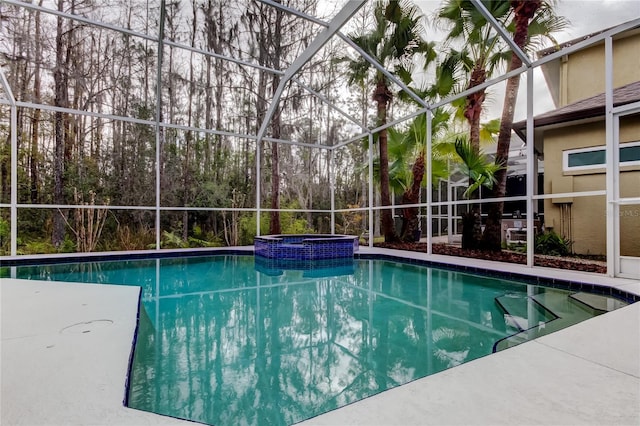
x=220 y=342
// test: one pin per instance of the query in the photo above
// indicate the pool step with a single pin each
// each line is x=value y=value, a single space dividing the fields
x=523 y=312
x=567 y=308
x=573 y=307
x=597 y=302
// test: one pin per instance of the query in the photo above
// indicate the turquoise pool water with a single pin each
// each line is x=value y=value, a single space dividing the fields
x=224 y=340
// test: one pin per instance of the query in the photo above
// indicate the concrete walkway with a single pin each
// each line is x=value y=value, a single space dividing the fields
x=65 y=354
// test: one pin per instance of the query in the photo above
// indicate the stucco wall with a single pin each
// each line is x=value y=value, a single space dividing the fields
x=588 y=214
x=585 y=70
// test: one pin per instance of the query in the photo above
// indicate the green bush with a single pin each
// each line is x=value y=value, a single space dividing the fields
x=170 y=240
x=211 y=241
x=518 y=248
x=290 y=224
x=552 y=244
x=36 y=247
x=45 y=247
x=248 y=227
x=5 y=232
x=173 y=240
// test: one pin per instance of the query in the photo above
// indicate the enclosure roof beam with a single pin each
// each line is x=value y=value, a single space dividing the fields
x=383 y=70
x=568 y=48
x=79 y=18
x=502 y=31
x=330 y=103
x=352 y=139
x=132 y=33
x=295 y=12
x=334 y=26
x=399 y=120
x=7 y=89
x=479 y=87
x=223 y=57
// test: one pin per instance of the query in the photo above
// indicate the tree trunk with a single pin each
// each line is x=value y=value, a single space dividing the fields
x=472 y=223
x=412 y=196
x=274 y=223
x=276 y=39
x=492 y=237
x=471 y=228
x=186 y=189
x=472 y=219
x=473 y=106
x=382 y=96
x=60 y=82
x=35 y=120
x=261 y=93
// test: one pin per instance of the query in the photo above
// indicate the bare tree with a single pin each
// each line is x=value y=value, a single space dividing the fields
x=61 y=81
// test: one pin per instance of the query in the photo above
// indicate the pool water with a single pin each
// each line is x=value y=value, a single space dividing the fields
x=224 y=341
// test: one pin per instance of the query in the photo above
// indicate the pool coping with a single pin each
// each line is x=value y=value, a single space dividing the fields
x=487 y=384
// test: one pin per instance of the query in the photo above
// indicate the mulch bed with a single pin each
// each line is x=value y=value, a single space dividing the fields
x=571 y=263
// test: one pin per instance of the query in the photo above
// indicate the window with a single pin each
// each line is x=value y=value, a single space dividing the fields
x=595 y=157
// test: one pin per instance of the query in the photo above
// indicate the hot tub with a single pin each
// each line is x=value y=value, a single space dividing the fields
x=306 y=246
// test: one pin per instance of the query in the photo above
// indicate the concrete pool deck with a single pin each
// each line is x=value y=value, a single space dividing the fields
x=65 y=353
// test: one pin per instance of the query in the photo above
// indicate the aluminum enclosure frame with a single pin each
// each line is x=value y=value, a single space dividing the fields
x=333 y=29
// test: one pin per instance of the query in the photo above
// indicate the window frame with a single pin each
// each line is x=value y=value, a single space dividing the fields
x=567 y=152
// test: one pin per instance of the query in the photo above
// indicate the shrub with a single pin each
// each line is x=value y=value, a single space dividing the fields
x=552 y=244
x=290 y=224
x=5 y=232
x=171 y=240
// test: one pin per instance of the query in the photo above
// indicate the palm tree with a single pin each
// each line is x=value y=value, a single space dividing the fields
x=533 y=21
x=481 y=171
x=482 y=53
x=407 y=177
x=394 y=41
x=414 y=140
x=446 y=148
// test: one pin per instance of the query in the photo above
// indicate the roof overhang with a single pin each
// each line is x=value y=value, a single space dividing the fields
x=590 y=109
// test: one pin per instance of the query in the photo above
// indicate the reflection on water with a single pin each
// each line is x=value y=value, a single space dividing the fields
x=222 y=341
x=311 y=268
x=254 y=347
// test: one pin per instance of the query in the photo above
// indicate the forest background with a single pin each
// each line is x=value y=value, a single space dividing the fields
x=121 y=132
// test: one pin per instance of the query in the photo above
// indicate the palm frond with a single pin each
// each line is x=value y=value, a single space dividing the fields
x=489 y=131
x=476 y=165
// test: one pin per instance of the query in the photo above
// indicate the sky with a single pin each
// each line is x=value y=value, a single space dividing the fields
x=588 y=16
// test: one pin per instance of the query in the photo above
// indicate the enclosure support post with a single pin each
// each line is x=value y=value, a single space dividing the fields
x=258 y=186
x=332 y=188
x=159 y=132
x=428 y=155
x=371 y=233
x=13 y=127
x=612 y=154
x=14 y=181
x=450 y=212
x=531 y=171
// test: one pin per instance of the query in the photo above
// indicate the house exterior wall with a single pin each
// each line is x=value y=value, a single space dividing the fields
x=588 y=214
x=582 y=74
